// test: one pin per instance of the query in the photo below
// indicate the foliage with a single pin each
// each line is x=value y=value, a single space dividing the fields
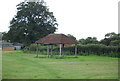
x=89 y=40
x=98 y=49
x=33 y=21
x=109 y=35
x=115 y=43
x=93 y=49
x=90 y=46
x=84 y=50
x=4 y=35
x=1 y=34
x=111 y=39
x=32 y=48
x=71 y=36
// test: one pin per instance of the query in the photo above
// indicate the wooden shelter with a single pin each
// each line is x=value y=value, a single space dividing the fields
x=60 y=39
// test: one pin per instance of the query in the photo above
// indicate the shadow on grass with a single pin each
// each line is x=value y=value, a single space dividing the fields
x=41 y=57
x=57 y=57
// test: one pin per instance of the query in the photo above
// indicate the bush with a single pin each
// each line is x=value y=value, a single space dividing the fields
x=89 y=49
x=94 y=49
x=32 y=48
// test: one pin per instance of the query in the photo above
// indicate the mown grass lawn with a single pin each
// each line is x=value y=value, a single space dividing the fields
x=19 y=65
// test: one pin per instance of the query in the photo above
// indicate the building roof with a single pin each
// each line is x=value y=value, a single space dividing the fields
x=18 y=44
x=56 y=39
x=5 y=42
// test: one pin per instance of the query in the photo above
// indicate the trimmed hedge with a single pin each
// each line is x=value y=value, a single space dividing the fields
x=32 y=48
x=93 y=49
x=89 y=49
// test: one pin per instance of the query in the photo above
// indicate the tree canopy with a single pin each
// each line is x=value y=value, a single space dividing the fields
x=71 y=36
x=111 y=39
x=89 y=40
x=32 y=21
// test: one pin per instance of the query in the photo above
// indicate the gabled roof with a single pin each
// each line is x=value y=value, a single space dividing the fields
x=56 y=39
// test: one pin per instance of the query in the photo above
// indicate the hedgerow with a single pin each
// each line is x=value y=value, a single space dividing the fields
x=94 y=49
x=84 y=50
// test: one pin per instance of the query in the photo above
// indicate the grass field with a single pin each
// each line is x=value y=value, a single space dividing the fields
x=19 y=65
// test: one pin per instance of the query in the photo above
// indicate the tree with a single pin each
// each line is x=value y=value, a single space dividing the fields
x=3 y=35
x=115 y=43
x=109 y=35
x=111 y=39
x=71 y=36
x=32 y=22
x=89 y=40
x=82 y=41
x=105 y=41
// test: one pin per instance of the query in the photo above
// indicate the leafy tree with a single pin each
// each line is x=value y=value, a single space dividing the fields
x=115 y=43
x=105 y=41
x=109 y=35
x=33 y=21
x=1 y=36
x=89 y=40
x=4 y=36
x=71 y=36
x=111 y=39
x=82 y=41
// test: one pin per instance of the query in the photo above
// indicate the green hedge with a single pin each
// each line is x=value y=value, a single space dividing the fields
x=93 y=49
x=89 y=49
x=32 y=48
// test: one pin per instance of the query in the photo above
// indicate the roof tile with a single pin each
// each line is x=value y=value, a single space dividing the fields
x=56 y=39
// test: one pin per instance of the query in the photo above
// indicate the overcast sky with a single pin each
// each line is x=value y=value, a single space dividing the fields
x=81 y=18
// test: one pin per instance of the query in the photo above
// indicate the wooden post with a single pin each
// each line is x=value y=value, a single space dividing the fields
x=60 y=49
x=75 y=49
x=48 y=50
x=51 y=50
x=63 y=50
x=37 y=50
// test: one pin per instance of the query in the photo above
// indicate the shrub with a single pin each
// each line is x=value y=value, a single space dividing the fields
x=94 y=49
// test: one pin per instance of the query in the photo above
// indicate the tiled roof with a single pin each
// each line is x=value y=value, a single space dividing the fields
x=56 y=39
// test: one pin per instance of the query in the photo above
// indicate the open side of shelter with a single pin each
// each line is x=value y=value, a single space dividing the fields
x=60 y=39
